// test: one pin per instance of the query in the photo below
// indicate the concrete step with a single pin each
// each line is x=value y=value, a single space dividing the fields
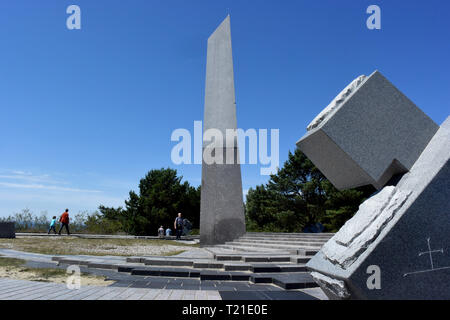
x=140 y=259
x=267 y=259
x=297 y=243
x=168 y=262
x=281 y=237
x=294 y=281
x=261 y=278
x=226 y=250
x=247 y=250
x=126 y=268
x=301 y=238
x=85 y=263
x=240 y=256
x=307 y=252
x=208 y=265
x=263 y=258
x=281 y=234
x=102 y=265
x=295 y=259
x=135 y=259
x=192 y=273
x=300 y=259
x=70 y=261
x=285 y=275
x=165 y=272
x=284 y=239
x=290 y=280
x=237 y=267
x=224 y=276
x=228 y=257
x=271 y=268
x=253 y=249
x=270 y=246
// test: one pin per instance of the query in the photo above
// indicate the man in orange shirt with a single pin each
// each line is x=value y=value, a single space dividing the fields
x=64 y=222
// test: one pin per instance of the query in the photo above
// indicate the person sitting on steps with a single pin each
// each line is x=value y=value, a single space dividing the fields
x=161 y=232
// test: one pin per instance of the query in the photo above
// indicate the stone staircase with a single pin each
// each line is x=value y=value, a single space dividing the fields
x=291 y=243
x=255 y=258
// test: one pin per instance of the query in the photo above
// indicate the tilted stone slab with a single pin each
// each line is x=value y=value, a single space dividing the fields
x=368 y=134
x=7 y=230
x=402 y=232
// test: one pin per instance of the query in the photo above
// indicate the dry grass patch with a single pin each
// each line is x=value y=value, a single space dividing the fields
x=97 y=247
x=15 y=269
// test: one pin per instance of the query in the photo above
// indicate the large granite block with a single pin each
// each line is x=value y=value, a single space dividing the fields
x=7 y=230
x=403 y=232
x=221 y=206
x=368 y=134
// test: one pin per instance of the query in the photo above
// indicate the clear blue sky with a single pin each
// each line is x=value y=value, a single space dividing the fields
x=86 y=113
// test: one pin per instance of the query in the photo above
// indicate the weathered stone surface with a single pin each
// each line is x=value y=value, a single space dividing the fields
x=7 y=230
x=337 y=102
x=369 y=133
x=222 y=211
x=361 y=231
x=335 y=289
x=403 y=231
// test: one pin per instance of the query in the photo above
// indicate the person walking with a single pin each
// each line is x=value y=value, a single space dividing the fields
x=178 y=225
x=64 y=219
x=52 y=225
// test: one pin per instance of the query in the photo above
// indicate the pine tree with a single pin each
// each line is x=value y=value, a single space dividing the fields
x=161 y=196
x=298 y=196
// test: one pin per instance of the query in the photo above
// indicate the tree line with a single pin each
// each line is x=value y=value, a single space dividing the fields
x=297 y=198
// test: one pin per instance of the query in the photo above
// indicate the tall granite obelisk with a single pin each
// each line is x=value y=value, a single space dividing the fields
x=222 y=208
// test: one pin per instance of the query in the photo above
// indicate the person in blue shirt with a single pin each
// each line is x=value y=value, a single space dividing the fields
x=52 y=226
x=168 y=232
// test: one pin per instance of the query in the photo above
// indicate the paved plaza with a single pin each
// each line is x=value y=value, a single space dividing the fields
x=253 y=267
